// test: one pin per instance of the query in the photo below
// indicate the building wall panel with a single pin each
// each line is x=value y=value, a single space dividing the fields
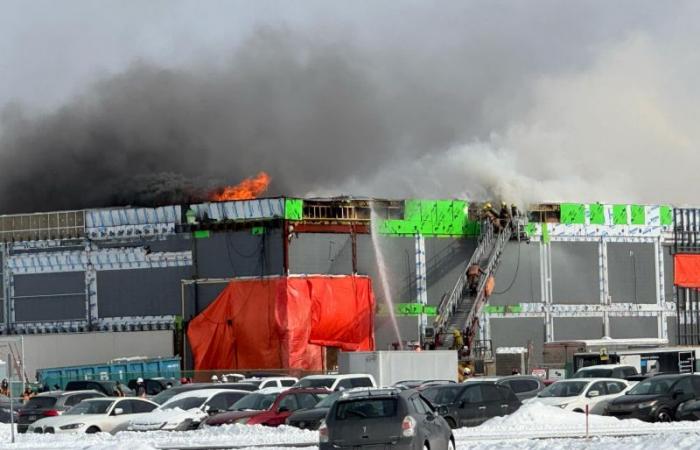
x=518 y=275
x=575 y=276
x=141 y=292
x=320 y=253
x=446 y=258
x=633 y=327
x=49 y=297
x=519 y=332
x=631 y=273
x=239 y=254
x=571 y=328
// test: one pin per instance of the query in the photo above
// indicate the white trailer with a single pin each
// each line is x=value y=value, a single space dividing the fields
x=389 y=367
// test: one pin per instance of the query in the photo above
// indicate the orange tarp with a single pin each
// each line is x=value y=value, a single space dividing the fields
x=283 y=322
x=686 y=271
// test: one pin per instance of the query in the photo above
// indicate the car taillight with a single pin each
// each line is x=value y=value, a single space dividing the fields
x=50 y=413
x=408 y=426
x=323 y=432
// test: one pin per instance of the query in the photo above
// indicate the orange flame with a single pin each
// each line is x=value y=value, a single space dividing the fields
x=245 y=190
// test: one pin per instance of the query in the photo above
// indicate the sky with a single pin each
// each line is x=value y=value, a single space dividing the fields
x=132 y=102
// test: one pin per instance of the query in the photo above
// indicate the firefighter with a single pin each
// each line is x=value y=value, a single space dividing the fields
x=504 y=215
x=490 y=215
x=458 y=342
x=474 y=272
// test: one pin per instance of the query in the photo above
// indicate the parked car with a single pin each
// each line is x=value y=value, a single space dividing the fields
x=8 y=414
x=107 y=387
x=166 y=395
x=154 y=386
x=310 y=418
x=50 y=404
x=269 y=406
x=413 y=384
x=606 y=371
x=337 y=382
x=384 y=418
x=574 y=394
x=657 y=399
x=470 y=404
x=523 y=386
x=187 y=410
x=269 y=382
x=95 y=415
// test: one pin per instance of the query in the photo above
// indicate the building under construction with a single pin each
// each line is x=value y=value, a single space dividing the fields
x=562 y=271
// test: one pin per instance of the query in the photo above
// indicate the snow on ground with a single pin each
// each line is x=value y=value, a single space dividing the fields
x=525 y=429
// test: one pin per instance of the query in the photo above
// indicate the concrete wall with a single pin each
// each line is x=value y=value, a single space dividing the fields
x=57 y=350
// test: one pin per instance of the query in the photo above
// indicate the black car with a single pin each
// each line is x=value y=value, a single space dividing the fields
x=471 y=404
x=167 y=394
x=107 y=387
x=384 y=418
x=154 y=386
x=656 y=399
x=49 y=404
x=310 y=419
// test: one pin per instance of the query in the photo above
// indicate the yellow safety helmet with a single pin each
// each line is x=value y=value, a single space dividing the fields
x=487 y=205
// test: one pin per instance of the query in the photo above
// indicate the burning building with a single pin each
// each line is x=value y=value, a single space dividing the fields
x=575 y=271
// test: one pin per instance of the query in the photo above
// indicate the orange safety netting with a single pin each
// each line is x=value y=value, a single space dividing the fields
x=686 y=271
x=283 y=322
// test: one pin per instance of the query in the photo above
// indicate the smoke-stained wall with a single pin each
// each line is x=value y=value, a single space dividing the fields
x=49 y=297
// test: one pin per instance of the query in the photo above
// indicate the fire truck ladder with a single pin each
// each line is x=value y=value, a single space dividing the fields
x=461 y=308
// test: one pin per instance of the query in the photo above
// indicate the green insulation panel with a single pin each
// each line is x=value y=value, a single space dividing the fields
x=574 y=213
x=545 y=233
x=512 y=309
x=432 y=218
x=201 y=234
x=666 y=215
x=597 y=214
x=407 y=310
x=293 y=208
x=638 y=215
x=257 y=231
x=620 y=215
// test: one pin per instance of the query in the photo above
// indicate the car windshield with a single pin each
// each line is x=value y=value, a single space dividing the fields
x=254 y=402
x=651 y=386
x=315 y=382
x=92 y=407
x=40 y=403
x=593 y=373
x=366 y=409
x=564 y=389
x=329 y=400
x=167 y=394
x=185 y=403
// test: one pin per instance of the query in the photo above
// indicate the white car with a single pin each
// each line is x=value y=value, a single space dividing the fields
x=187 y=410
x=270 y=382
x=95 y=415
x=337 y=382
x=575 y=393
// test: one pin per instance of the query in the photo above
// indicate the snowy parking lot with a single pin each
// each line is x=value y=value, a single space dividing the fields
x=532 y=427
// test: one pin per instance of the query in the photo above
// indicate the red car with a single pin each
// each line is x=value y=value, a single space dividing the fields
x=270 y=406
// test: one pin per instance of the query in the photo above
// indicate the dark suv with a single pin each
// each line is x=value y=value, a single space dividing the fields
x=107 y=387
x=656 y=399
x=470 y=404
x=48 y=404
x=383 y=418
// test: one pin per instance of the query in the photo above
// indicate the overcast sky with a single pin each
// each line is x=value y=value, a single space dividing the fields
x=529 y=101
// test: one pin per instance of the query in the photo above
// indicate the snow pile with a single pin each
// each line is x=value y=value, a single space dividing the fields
x=234 y=435
x=511 y=350
x=676 y=441
x=535 y=420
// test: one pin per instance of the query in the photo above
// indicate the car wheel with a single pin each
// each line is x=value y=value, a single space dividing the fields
x=451 y=422
x=663 y=415
x=451 y=444
x=92 y=430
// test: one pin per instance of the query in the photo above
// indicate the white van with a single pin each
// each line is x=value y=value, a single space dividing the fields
x=338 y=382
